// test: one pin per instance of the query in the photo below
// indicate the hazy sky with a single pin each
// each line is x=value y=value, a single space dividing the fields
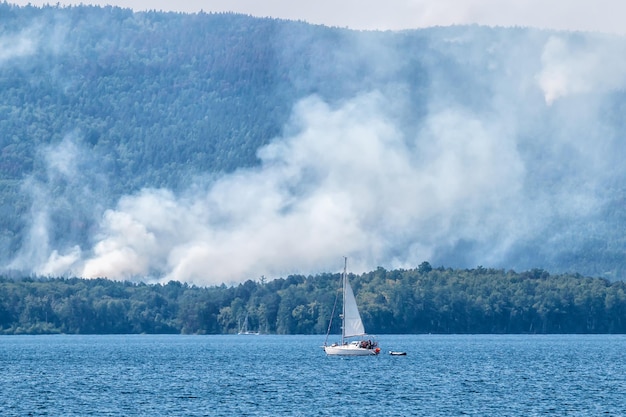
x=586 y=15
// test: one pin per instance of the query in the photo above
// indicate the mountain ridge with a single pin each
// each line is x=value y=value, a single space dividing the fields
x=463 y=145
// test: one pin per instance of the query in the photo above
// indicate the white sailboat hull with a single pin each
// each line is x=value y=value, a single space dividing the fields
x=350 y=350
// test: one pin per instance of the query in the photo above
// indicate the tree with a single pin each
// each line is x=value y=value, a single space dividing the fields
x=424 y=268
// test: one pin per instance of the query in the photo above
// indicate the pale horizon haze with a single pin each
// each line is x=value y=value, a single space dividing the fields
x=570 y=15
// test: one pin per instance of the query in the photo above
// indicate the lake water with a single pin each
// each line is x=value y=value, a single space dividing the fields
x=476 y=375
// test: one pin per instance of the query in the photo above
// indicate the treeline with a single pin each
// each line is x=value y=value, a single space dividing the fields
x=422 y=300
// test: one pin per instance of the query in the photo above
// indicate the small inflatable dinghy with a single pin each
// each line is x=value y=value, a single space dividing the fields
x=396 y=353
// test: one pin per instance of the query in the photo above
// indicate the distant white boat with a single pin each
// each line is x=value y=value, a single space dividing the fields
x=244 y=329
x=351 y=326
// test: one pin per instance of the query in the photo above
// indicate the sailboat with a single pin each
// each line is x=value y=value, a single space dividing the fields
x=244 y=329
x=351 y=326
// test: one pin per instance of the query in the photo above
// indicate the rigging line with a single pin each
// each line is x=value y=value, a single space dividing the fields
x=330 y=322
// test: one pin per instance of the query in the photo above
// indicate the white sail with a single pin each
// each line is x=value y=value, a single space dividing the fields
x=353 y=325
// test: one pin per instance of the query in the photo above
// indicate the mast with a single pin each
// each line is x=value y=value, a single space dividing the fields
x=343 y=292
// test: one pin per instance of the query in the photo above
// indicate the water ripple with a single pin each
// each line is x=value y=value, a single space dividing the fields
x=291 y=376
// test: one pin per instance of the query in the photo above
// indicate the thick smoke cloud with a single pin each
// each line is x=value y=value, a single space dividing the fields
x=316 y=196
x=346 y=183
x=465 y=186
x=582 y=67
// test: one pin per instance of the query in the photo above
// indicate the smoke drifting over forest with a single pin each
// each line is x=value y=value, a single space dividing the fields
x=520 y=173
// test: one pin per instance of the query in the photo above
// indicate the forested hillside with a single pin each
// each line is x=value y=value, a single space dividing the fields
x=212 y=148
x=423 y=300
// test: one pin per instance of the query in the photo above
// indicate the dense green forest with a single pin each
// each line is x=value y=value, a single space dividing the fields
x=422 y=300
x=484 y=146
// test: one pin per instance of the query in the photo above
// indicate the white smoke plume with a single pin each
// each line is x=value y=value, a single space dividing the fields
x=60 y=161
x=63 y=202
x=31 y=40
x=17 y=46
x=347 y=183
x=591 y=65
x=351 y=179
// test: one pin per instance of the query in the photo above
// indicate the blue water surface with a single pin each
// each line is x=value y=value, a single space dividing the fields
x=237 y=375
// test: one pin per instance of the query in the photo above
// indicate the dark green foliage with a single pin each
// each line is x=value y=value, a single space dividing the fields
x=401 y=301
x=155 y=99
x=158 y=99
